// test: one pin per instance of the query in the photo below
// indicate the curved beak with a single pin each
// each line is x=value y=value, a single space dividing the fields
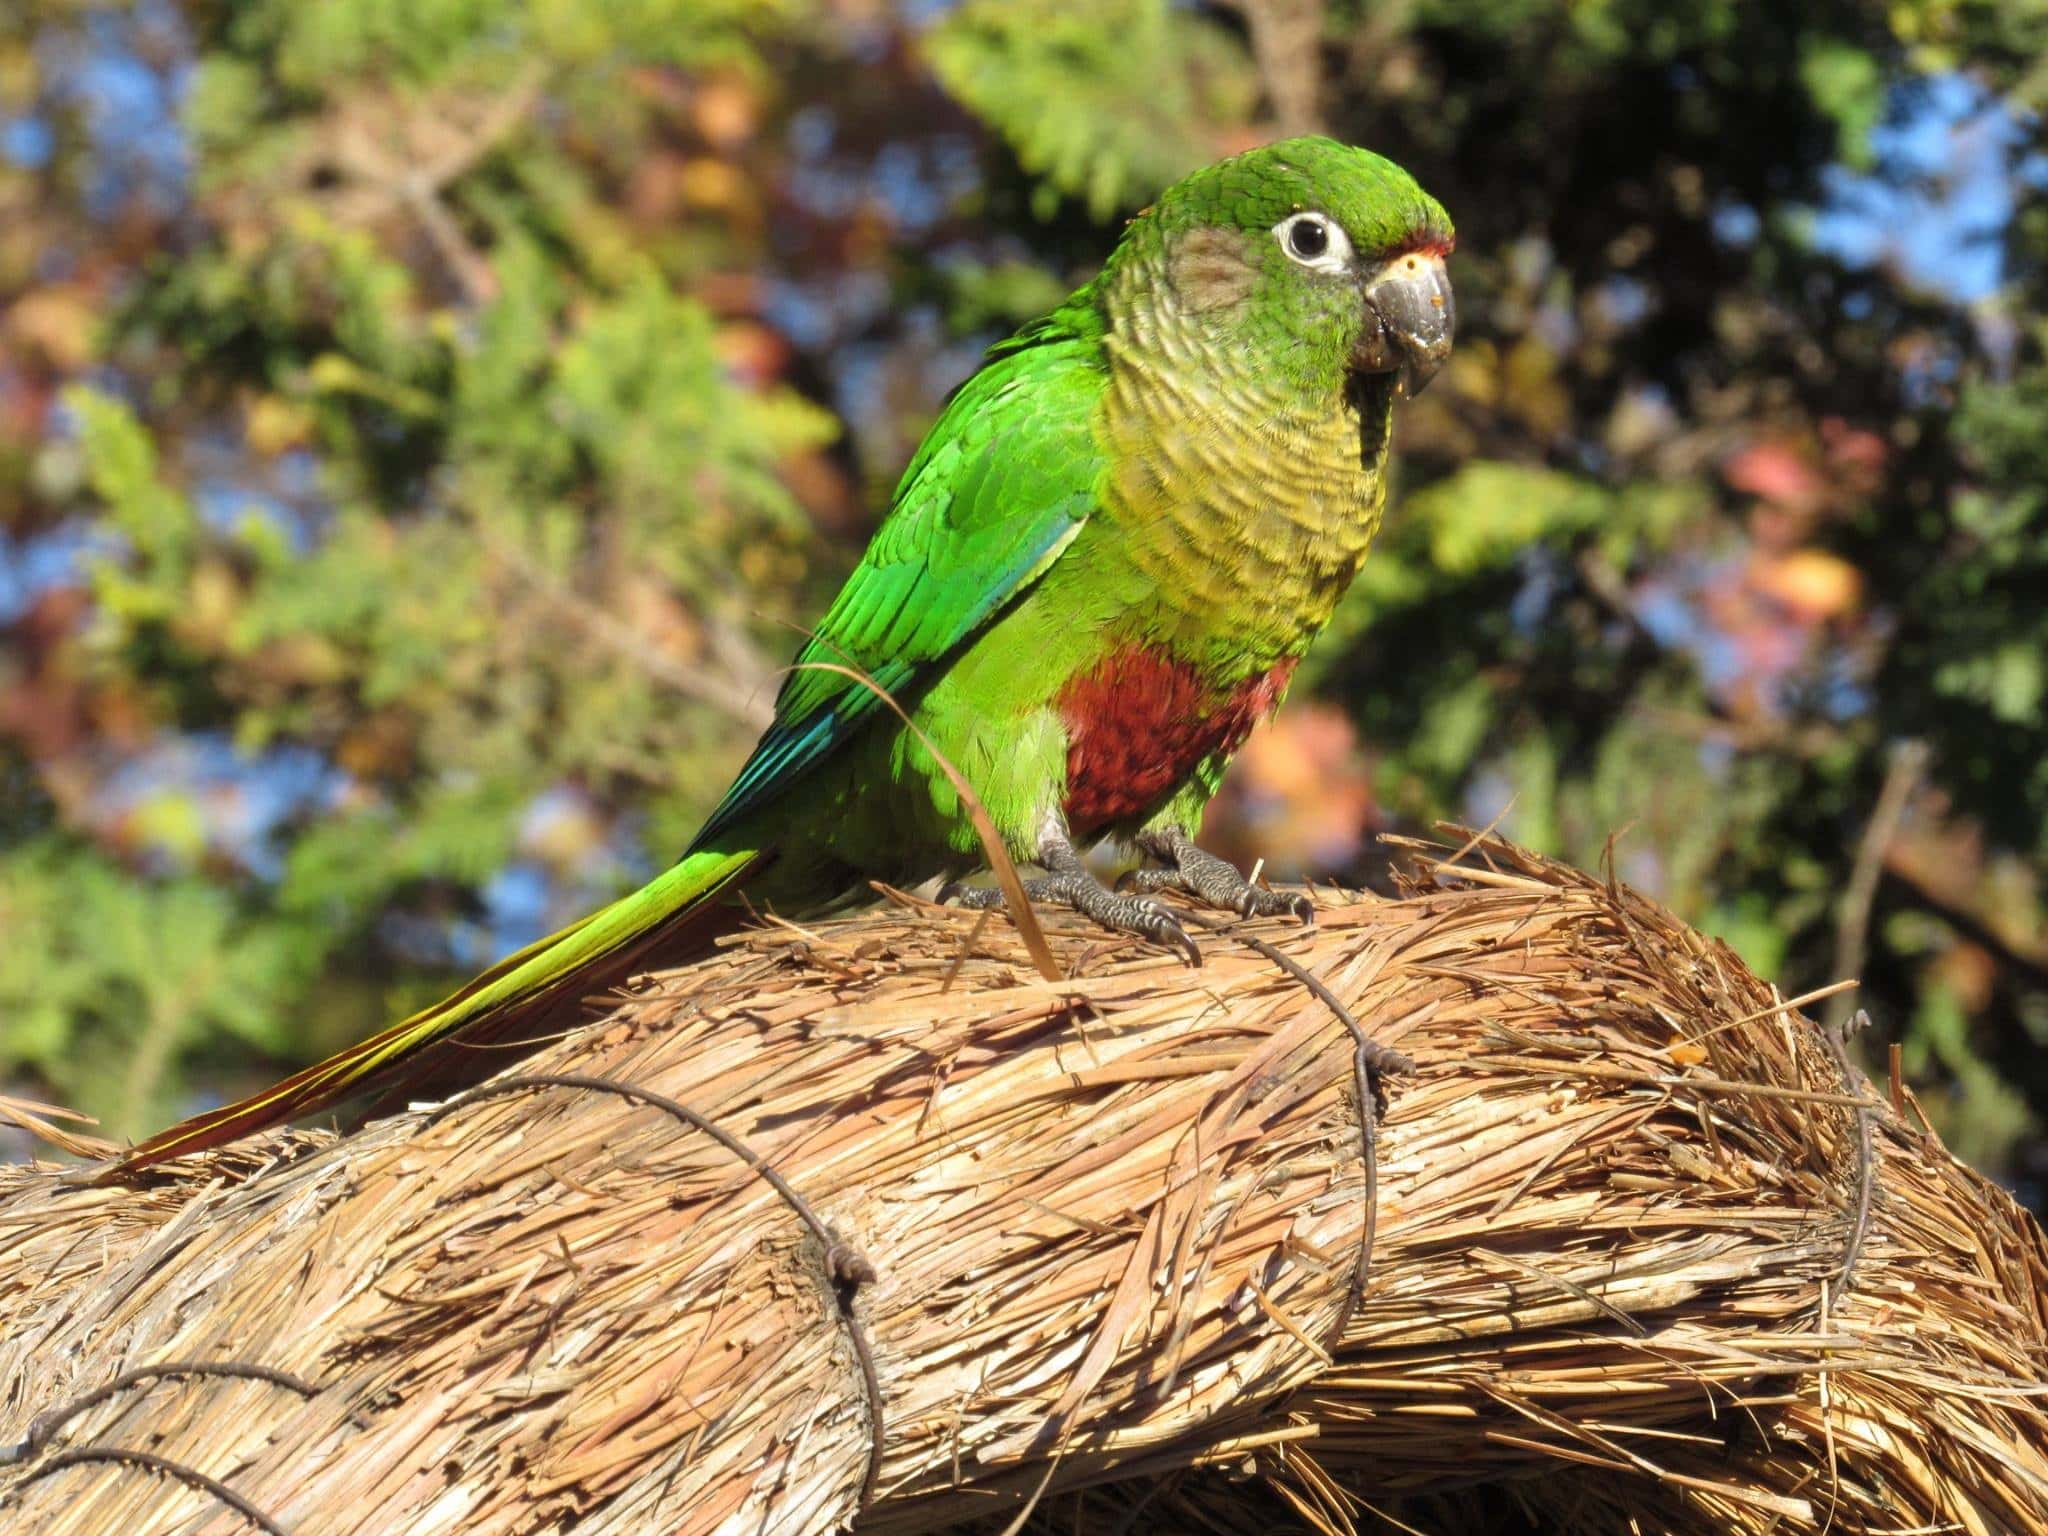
x=1408 y=320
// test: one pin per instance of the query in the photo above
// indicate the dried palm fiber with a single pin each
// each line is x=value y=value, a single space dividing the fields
x=1649 y=1258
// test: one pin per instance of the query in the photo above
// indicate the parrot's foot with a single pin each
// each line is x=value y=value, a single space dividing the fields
x=1068 y=883
x=1207 y=878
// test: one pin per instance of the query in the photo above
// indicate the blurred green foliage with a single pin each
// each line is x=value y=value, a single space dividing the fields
x=423 y=426
x=1105 y=106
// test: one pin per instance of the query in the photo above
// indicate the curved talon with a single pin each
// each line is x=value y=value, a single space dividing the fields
x=1177 y=938
x=1155 y=921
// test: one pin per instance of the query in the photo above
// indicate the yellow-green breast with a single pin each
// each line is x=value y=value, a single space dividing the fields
x=1243 y=508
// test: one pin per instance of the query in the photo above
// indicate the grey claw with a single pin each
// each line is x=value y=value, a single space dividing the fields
x=1167 y=930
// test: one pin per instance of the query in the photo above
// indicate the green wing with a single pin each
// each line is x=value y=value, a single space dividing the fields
x=1002 y=484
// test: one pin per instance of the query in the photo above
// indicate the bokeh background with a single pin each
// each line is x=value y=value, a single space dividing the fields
x=423 y=423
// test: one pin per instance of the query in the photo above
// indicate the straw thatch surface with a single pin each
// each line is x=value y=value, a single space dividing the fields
x=1648 y=1259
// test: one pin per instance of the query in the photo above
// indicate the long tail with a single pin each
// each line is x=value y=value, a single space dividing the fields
x=549 y=969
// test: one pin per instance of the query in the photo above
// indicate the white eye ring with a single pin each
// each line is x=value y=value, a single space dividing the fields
x=1315 y=241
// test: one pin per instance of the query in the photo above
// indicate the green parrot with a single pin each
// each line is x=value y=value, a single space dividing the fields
x=1095 y=578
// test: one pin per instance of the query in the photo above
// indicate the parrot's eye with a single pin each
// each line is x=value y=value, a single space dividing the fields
x=1314 y=240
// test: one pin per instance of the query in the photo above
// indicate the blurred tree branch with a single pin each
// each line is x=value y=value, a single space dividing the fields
x=1852 y=913
x=1287 y=42
x=739 y=687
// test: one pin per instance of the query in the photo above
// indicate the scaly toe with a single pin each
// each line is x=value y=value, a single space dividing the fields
x=1219 y=883
x=1142 y=915
x=1146 y=881
x=1259 y=902
x=974 y=898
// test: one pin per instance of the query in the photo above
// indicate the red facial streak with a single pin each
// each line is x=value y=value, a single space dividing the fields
x=1139 y=723
x=1426 y=245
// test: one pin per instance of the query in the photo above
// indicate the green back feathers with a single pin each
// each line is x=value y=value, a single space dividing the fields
x=1001 y=485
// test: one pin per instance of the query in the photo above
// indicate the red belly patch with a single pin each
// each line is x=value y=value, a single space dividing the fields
x=1140 y=722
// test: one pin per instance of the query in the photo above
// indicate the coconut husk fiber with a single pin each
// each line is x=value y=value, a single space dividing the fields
x=1646 y=1255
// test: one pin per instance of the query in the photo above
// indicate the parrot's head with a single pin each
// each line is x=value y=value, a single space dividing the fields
x=1324 y=261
